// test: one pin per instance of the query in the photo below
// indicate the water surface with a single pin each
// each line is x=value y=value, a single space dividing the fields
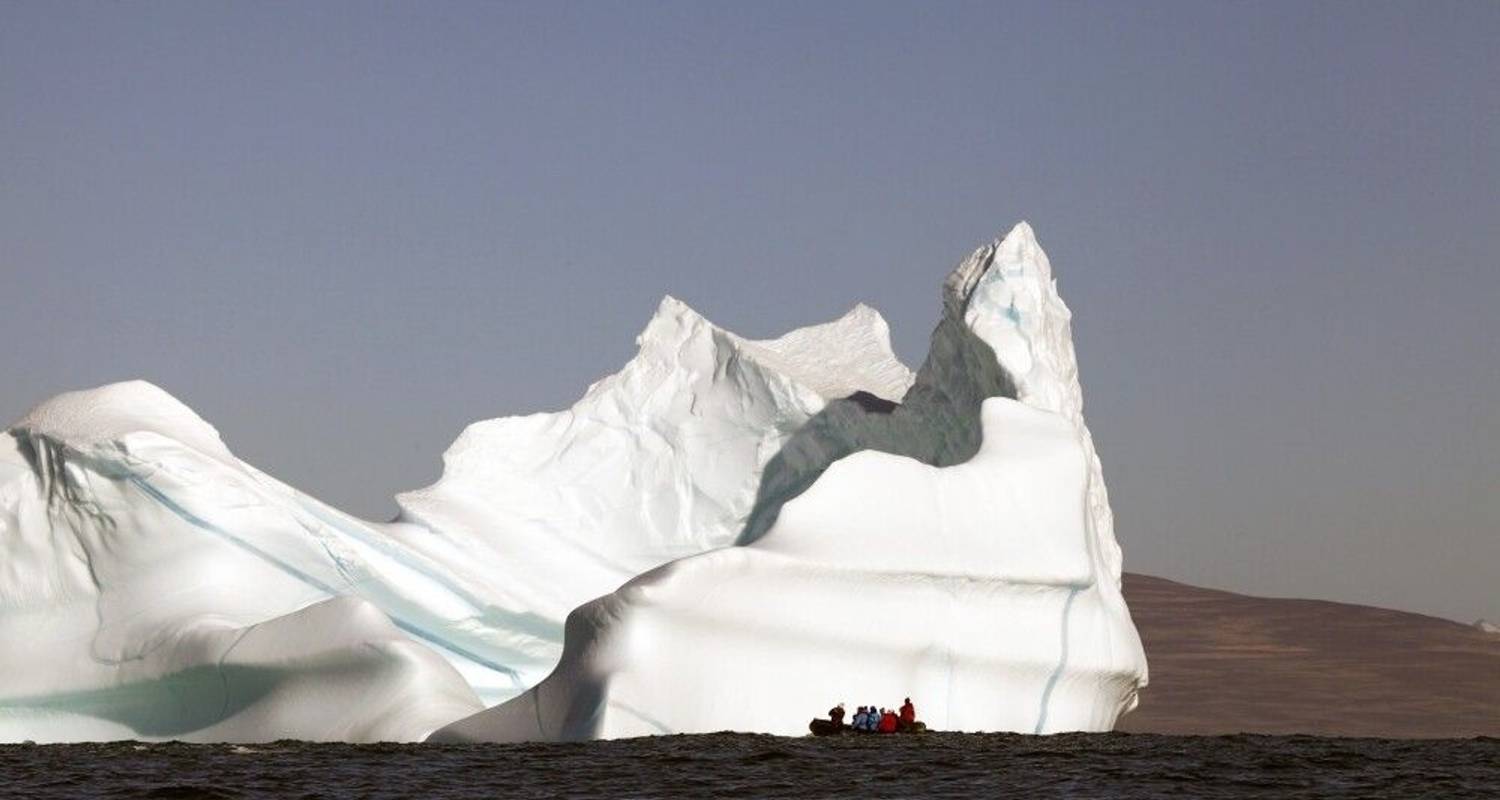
x=1111 y=765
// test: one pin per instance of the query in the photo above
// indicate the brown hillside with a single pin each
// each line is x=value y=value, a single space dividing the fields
x=1229 y=663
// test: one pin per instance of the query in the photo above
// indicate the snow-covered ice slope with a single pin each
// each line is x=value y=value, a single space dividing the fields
x=154 y=586
x=957 y=548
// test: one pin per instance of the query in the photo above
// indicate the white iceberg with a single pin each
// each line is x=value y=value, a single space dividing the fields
x=984 y=583
x=154 y=586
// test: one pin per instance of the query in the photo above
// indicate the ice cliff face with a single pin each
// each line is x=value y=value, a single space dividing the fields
x=154 y=586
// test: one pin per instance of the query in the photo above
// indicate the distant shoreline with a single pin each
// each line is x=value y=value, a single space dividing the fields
x=1226 y=663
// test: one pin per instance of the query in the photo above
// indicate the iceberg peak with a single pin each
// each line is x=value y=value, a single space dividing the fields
x=833 y=359
x=108 y=413
x=1017 y=248
x=673 y=324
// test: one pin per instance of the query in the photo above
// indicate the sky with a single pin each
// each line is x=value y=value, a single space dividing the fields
x=342 y=232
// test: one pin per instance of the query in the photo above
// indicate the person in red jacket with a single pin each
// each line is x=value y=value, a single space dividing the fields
x=908 y=714
x=888 y=721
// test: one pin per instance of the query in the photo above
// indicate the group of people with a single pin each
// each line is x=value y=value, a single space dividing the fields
x=872 y=720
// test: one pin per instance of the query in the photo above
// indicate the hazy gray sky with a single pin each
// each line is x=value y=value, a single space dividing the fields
x=342 y=232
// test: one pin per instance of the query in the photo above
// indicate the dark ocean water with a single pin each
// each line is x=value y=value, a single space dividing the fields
x=735 y=765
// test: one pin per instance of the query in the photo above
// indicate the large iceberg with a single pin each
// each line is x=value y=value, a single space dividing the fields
x=957 y=548
x=808 y=494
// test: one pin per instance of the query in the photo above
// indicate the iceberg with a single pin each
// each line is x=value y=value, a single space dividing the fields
x=956 y=548
x=721 y=514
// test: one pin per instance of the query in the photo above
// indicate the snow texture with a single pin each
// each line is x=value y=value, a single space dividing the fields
x=957 y=548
